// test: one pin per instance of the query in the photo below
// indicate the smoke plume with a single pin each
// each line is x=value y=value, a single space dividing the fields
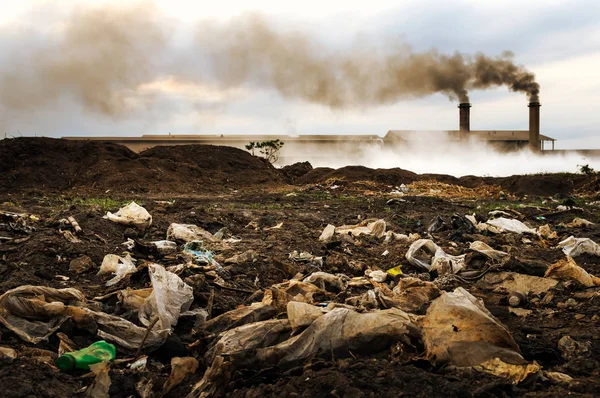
x=101 y=57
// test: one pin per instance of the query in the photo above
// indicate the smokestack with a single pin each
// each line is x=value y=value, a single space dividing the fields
x=464 y=119
x=534 y=126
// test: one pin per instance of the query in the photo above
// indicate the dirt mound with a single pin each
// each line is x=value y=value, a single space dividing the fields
x=543 y=184
x=296 y=170
x=395 y=176
x=92 y=166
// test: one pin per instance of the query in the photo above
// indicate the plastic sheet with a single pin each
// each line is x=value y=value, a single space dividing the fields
x=573 y=246
x=120 y=266
x=132 y=214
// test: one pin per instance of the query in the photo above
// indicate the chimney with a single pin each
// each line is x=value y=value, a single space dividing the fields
x=464 y=118
x=534 y=126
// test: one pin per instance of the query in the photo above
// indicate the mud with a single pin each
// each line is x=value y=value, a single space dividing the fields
x=216 y=187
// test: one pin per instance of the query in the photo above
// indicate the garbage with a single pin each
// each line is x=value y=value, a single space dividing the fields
x=377 y=276
x=131 y=214
x=169 y=298
x=188 y=233
x=328 y=282
x=510 y=225
x=427 y=255
x=515 y=282
x=302 y=314
x=394 y=237
x=101 y=385
x=579 y=223
x=567 y=269
x=395 y=271
x=195 y=252
x=165 y=247
x=81 y=264
x=458 y=329
x=7 y=355
x=305 y=257
x=327 y=233
x=573 y=246
x=545 y=232
x=35 y=312
x=277 y=226
x=436 y=225
x=368 y=227
x=517 y=299
x=240 y=316
x=572 y=349
x=280 y=294
x=412 y=294
x=120 y=266
x=180 y=368
x=97 y=352
x=558 y=378
x=248 y=256
x=487 y=251
x=336 y=333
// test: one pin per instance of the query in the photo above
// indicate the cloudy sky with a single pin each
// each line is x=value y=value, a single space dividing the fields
x=166 y=90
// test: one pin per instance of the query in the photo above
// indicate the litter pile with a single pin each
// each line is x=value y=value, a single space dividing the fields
x=308 y=291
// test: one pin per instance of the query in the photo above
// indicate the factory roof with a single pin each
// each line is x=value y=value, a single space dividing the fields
x=484 y=135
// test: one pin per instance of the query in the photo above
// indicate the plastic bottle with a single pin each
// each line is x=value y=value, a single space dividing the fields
x=82 y=359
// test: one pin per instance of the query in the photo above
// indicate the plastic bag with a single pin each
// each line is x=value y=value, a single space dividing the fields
x=327 y=233
x=302 y=314
x=180 y=368
x=197 y=253
x=254 y=312
x=487 y=251
x=458 y=329
x=573 y=246
x=375 y=228
x=569 y=270
x=35 y=312
x=132 y=214
x=509 y=225
x=169 y=298
x=188 y=233
x=329 y=282
x=429 y=256
x=280 y=294
x=120 y=266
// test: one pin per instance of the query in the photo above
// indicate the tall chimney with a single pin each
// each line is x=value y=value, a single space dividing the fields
x=534 y=126
x=464 y=112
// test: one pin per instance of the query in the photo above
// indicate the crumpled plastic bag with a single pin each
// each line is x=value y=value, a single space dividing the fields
x=573 y=246
x=567 y=269
x=579 y=223
x=367 y=227
x=487 y=251
x=425 y=254
x=180 y=368
x=458 y=329
x=132 y=214
x=302 y=314
x=546 y=232
x=195 y=252
x=336 y=333
x=169 y=298
x=188 y=233
x=327 y=233
x=280 y=294
x=329 y=282
x=120 y=266
x=510 y=225
x=102 y=382
x=254 y=312
x=35 y=312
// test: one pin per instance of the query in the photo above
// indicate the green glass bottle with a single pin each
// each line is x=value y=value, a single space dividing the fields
x=82 y=359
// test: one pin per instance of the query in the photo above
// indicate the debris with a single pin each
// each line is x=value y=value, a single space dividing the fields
x=515 y=282
x=120 y=266
x=102 y=382
x=278 y=226
x=74 y=224
x=394 y=237
x=567 y=269
x=377 y=276
x=240 y=316
x=305 y=257
x=81 y=264
x=169 y=298
x=302 y=314
x=165 y=247
x=328 y=282
x=7 y=355
x=425 y=254
x=579 y=223
x=572 y=349
x=436 y=225
x=131 y=214
x=517 y=299
x=196 y=253
x=70 y=237
x=573 y=246
x=545 y=232
x=458 y=329
x=248 y=256
x=510 y=225
x=395 y=271
x=98 y=352
x=188 y=233
x=486 y=250
x=180 y=368
x=558 y=378
x=280 y=294
x=327 y=233
x=413 y=294
x=368 y=227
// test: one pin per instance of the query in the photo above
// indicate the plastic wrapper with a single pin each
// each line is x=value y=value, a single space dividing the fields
x=132 y=214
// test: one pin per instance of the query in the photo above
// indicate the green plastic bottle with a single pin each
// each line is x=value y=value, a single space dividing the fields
x=82 y=359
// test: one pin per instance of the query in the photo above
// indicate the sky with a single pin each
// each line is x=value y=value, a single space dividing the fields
x=558 y=41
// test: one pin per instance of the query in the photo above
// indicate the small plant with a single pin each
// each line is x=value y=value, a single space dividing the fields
x=586 y=169
x=268 y=149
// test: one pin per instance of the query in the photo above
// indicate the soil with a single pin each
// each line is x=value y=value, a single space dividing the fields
x=216 y=187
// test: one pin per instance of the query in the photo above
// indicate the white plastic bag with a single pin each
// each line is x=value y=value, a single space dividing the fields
x=188 y=233
x=429 y=256
x=327 y=233
x=169 y=298
x=132 y=214
x=509 y=225
x=573 y=246
x=120 y=266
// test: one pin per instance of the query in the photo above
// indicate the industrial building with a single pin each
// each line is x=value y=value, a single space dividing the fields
x=295 y=146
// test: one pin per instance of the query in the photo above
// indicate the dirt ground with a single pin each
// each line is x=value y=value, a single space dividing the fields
x=217 y=187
